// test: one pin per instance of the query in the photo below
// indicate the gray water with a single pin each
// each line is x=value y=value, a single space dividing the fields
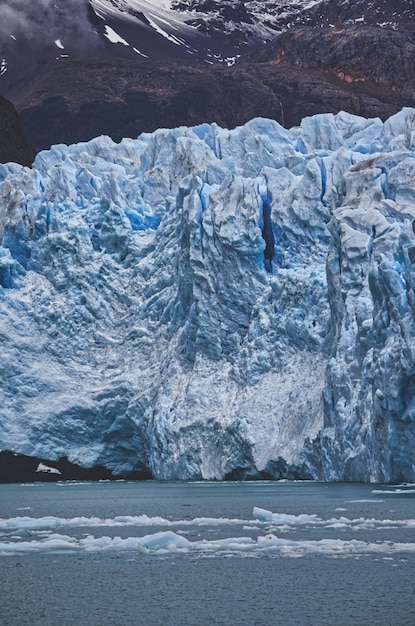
x=128 y=553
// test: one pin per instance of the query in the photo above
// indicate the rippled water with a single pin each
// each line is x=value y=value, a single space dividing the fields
x=206 y=553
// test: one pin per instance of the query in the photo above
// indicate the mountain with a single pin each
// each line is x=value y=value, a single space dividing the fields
x=200 y=303
x=204 y=32
x=33 y=36
x=76 y=70
x=122 y=99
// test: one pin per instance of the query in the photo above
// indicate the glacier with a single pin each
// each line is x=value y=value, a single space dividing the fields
x=203 y=303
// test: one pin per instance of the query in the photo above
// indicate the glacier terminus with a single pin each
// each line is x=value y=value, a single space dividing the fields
x=202 y=303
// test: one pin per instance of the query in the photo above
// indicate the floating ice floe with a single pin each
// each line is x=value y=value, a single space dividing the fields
x=169 y=542
x=29 y=534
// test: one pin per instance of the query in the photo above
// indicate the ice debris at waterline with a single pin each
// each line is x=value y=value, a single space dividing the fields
x=260 y=536
x=205 y=303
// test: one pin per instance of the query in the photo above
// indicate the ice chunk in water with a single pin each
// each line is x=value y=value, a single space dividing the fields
x=164 y=540
x=262 y=515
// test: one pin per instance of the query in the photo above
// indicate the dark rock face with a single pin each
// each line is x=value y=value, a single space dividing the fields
x=17 y=468
x=357 y=54
x=13 y=143
x=142 y=97
x=363 y=70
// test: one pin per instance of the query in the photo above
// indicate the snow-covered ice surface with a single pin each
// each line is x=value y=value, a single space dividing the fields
x=205 y=303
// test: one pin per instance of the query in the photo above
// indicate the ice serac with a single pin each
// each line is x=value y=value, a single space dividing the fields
x=370 y=390
x=204 y=303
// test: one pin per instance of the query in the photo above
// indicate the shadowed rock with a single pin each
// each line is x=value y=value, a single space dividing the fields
x=13 y=143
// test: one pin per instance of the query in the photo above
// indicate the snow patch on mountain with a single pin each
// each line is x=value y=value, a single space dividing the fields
x=231 y=22
x=114 y=37
x=245 y=21
x=206 y=303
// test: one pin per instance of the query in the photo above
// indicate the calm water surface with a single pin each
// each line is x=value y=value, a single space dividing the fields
x=260 y=553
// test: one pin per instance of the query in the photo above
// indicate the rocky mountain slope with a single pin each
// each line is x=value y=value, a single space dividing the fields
x=364 y=71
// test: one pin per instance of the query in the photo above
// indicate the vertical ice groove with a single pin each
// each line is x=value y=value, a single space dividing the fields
x=323 y=178
x=267 y=230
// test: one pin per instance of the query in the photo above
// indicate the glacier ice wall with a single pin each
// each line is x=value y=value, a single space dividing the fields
x=205 y=303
